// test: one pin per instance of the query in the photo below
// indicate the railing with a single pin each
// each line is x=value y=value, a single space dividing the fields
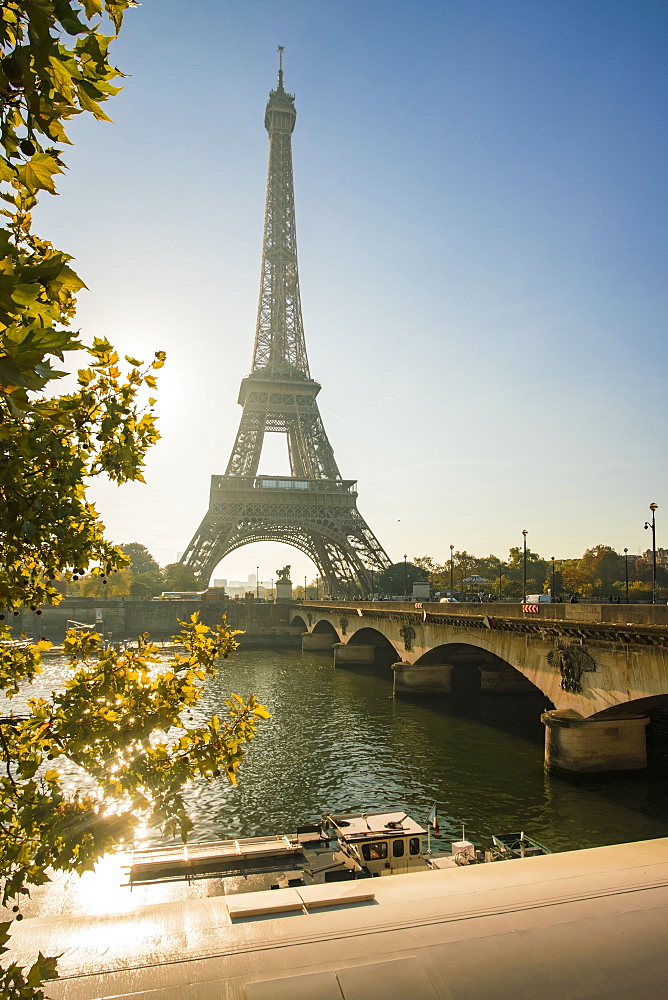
x=620 y=614
x=284 y=483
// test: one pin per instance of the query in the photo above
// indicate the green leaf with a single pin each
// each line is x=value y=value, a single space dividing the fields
x=92 y=7
x=25 y=295
x=37 y=174
x=7 y=171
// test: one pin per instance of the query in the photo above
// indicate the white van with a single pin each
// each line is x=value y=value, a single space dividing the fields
x=538 y=599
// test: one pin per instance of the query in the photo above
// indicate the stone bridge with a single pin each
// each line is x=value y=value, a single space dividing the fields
x=602 y=667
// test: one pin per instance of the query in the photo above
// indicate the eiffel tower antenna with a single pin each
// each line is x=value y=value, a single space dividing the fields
x=281 y=49
x=313 y=509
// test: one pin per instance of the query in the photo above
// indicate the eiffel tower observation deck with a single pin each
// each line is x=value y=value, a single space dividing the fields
x=313 y=509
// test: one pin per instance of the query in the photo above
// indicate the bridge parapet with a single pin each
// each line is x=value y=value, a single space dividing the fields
x=493 y=618
x=623 y=614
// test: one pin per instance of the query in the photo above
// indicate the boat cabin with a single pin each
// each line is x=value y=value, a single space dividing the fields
x=387 y=843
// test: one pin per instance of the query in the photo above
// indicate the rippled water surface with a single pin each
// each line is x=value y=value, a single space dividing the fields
x=337 y=740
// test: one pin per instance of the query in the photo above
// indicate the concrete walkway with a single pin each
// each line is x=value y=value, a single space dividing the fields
x=568 y=926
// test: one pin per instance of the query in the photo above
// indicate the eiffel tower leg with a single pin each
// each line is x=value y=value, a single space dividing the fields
x=204 y=551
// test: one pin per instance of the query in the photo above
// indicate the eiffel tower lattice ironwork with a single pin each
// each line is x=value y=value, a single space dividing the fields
x=313 y=509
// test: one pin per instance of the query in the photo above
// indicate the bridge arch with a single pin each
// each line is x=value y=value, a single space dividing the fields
x=298 y=622
x=323 y=627
x=637 y=707
x=372 y=635
x=385 y=651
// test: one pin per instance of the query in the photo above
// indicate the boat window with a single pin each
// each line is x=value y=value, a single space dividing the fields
x=414 y=845
x=374 y=852
x=398 y=848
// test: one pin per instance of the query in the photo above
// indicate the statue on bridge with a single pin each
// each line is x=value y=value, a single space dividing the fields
x=573 y=662
x=283 y=574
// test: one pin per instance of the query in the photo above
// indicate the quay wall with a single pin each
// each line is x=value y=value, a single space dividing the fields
x=123 y=618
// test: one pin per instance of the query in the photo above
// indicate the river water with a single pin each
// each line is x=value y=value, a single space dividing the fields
x=339 y=741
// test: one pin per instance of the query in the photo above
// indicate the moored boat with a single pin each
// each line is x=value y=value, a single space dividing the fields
x=341 y=847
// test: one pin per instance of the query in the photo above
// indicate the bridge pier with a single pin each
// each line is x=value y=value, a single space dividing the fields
x=583 y=745
x=349 y=654
x=316 y=642
x=421 y=678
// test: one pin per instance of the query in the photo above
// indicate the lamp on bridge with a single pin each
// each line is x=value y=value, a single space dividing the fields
x=257 y=582
x=452 y=548
x=552 y=593
x=524 y=564
x=626 y=573
x=653 y=507
x=405 y=579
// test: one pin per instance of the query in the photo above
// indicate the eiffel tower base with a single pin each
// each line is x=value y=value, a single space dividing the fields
x=319 y=517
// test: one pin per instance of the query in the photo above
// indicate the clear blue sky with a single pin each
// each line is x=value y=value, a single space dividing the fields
x=481 y=213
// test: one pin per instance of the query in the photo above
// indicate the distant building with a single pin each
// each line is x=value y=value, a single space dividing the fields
x=661 y=557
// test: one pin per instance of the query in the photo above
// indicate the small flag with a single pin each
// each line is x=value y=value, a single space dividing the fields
x=433 y=819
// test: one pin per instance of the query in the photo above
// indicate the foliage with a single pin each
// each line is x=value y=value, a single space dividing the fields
x=599 y=573
x=145 y=574
x=24 y=984
x=121 y=715
x=399 y=578
x=49 y=445
x=141 y=560
x=431 y=571
x=53 y=67
x=176 y=576
x=120 y=718
x=117 y=584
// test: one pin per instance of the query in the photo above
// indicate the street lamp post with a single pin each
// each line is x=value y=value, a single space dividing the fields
x=304 y=588
x=524 y=572
x=653 y=507
x=451 y=570
x=626 y=573
x=552 y=594
x=257 y=582
x=272 y=589
x=405 y=579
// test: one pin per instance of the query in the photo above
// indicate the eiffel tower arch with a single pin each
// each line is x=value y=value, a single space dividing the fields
x=313 y=509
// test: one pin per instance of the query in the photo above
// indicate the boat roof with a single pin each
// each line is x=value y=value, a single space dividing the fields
x=366 y=826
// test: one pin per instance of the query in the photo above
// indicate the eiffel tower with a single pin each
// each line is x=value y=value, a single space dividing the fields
x=313 y=509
